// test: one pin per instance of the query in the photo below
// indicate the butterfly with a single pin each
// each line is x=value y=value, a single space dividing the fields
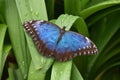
x=63 y=45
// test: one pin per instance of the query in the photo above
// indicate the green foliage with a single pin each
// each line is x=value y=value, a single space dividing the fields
x=97 y=19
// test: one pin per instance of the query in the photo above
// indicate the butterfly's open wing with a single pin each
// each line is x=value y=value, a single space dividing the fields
x=51 y=42
x=73 y=44
x=44 y=34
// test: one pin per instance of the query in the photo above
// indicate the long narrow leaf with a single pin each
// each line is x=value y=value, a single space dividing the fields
x=17 y=37
x=62 y=70
x=2 y=36
x=90 y=10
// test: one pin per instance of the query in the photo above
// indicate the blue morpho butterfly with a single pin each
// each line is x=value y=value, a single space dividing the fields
x=63 y=45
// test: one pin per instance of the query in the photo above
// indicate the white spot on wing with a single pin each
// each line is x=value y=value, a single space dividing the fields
x=79 y=53
x=49 y=55
x=38 y=33
x=84 y=48
x=90 y=47
x=35 y=39
x=75 y=54
x=31 y=32
x=33 y=36
x=35 y=29
x=87 y=39
x=87 y=47
x=84 y=52
x=30 y=21
x=41 y=21
x=92 y=52
x=25 y=24
x=95 y=51
x=28 y=29
x=33 y=25
x=94 y=46
x=88 y=52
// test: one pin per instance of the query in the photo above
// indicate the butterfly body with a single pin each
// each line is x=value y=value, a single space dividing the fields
x=63 y=45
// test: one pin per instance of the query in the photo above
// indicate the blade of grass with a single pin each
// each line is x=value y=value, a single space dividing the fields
x=31 y=9
x=14 y=73
x=2 y=36
x=26 y=13
x=38 y=74
x=38 y=60
x=111 y=48
x=11 y=74
x=34 y=10
x=113 y=26
x=62 y=70
x=17 y=37
x=39 y=64
x=100 y=14
x=69 y=9
x=1 y=18
x=50 y=5
x=66 y=20
x=106 y=70
x=75 y=74
x=82 y=61
x=2 y=10
x=90 y=10
x=6 y=50
x=102 y=65
x=81 y=26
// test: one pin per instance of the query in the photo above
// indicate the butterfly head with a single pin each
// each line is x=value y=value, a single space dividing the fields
x=63 y=27
x=63 y=30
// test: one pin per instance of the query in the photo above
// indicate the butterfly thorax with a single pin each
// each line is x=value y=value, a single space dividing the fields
x=62 y=31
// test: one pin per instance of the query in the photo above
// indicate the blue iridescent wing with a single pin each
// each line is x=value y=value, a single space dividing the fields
x=44 y=34
x=56 y=42
x=73 y=44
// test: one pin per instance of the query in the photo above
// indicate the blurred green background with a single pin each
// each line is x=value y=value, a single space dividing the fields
x=97 y=19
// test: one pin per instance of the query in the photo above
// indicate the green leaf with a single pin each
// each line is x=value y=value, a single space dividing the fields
x=100 y=14
x=17 y=37
x=75 y=74
x=109 y=70
x=14 y=74
x=81 y=26
x=11 y=74
x=6 y=50
x=69 y=9
x=66 y=20
x=39 y=64
x=109 y=26
x=38 y=74
x=62 y=70
x=50 y=5
x=2 y=10
x=31 y=9
x=2 y=36
x=28 y=10
x=91 y=10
